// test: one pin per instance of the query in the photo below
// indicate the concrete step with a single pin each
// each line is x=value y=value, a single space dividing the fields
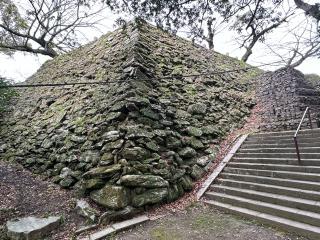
x=269 y=208
x=299 y=228
x=281 y=200
x=280 y=141
x=315 y=135
x=291 y=132
x=279 y=155
x=268 y=188
x=299 y=184
x=282 y=161
x=279 y=145
x=280 y=150
x=313 y=177
x=266 y=181
x=275 y=167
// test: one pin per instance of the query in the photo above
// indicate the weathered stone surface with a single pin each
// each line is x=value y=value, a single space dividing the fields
x=114 y=197
x=31 y=228
x=103 y=172
x=203 y=161
x=197 y=172
x=148 y=181
x=187 y=152
x=93 y=183
x=193 y=131
x=186 y=183
x=116 y=215
x=145 y=125
x=209 y=130
x=197 y=108
x=195 y=143
x=85 y=210
x=174 y=193
x=67 y=182
x=150 y=196
x=284 y=95
x=107 y=157
x=135 y=153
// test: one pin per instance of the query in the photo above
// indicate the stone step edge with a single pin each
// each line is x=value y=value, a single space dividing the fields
x=284 y=137
x=304 y=155
x=273 y=165
x=274 y=171
x=221 y=181
x=280 y=159
x=278 y=222
x=280 y=148
x=116 y=227
x=261 y=194
x=281 y=145
x=270 y=205
x=274 y=179
x=284 y=132
x=284 y=140
x=220 y=167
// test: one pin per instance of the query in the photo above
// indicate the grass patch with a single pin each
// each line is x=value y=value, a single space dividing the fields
x=161 y=233
x=205 y=222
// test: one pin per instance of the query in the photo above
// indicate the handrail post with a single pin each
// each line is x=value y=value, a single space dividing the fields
x=297 y=149
x=309 y=115
x=307 y=111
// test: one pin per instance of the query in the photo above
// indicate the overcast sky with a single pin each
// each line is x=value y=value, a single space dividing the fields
x=23 y=65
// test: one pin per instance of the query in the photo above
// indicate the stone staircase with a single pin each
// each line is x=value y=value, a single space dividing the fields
x=265 y=182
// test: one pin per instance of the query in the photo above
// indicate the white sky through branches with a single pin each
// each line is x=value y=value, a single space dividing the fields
x=22 y=65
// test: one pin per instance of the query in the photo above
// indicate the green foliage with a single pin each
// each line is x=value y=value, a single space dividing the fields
x=10 y=18
x=5 y=94
x=250 y=21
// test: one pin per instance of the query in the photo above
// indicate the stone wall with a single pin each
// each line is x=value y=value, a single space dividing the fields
x=284 y=96
x=141 y=139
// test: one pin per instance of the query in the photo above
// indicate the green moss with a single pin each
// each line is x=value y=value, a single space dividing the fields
x=161 y=233
x=79 y=122
x=101 y=74
x=191 y=90
x=165 y=91
x=205 y=222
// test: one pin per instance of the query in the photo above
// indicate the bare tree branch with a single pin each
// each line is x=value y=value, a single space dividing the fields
x=312 y=10
x=48 y=27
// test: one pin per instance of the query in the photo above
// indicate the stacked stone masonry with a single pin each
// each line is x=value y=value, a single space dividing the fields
x=142 y=138
x=284 y=96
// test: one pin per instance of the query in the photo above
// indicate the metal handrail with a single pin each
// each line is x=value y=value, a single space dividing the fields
x=298 y=129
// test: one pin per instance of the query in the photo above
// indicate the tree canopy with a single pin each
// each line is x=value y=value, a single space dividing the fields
x=52 y=27
x=43 y=26
x=5 y=93
x=252 y=20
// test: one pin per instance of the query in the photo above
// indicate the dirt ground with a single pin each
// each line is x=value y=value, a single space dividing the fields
x=201 y=222
x=24 y=194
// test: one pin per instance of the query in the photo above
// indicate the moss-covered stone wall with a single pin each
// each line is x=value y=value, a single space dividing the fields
x=141 y=139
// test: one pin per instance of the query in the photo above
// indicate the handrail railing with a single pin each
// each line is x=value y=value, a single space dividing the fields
x=298 y=129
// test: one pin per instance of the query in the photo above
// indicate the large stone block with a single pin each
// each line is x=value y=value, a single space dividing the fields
x=31 y=228
x=110 y=196
x=148 y=181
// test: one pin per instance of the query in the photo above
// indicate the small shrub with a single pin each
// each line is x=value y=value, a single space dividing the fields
x=5 y=93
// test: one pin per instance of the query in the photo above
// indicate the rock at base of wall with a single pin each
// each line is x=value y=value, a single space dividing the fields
x=31 y=228
x=114 y=197
x=151 y=196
